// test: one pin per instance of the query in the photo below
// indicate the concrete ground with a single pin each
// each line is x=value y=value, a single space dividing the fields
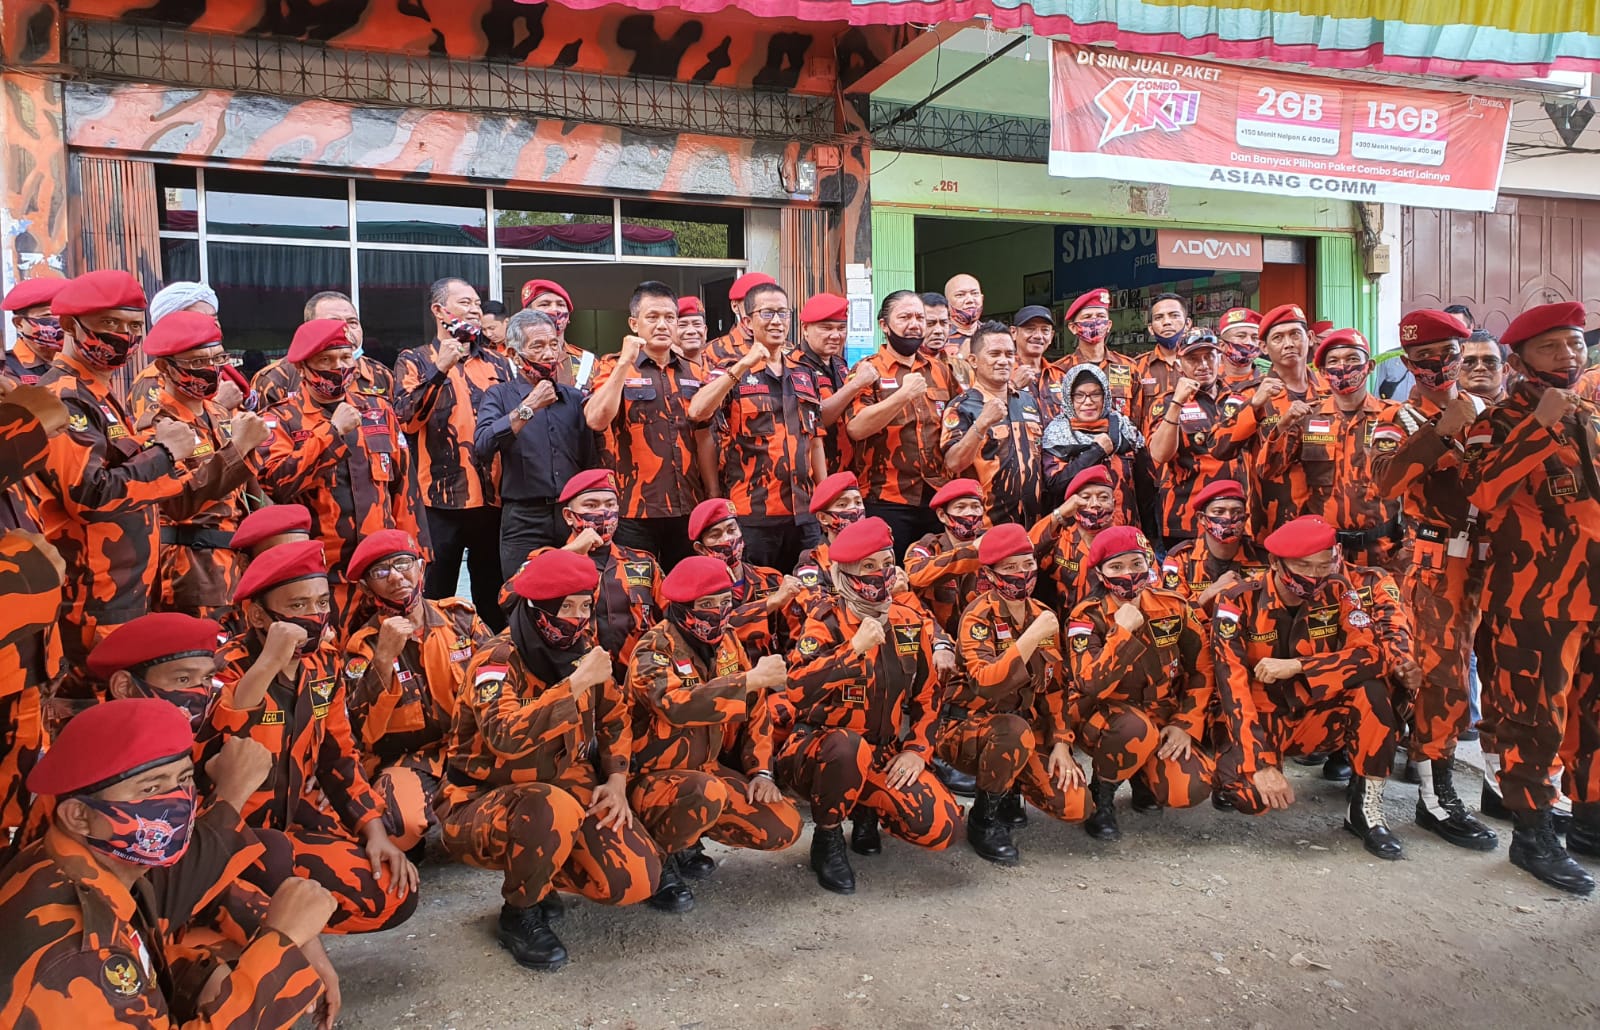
x=1195 y=919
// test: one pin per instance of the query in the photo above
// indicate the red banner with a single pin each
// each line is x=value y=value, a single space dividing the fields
x=1193 y=123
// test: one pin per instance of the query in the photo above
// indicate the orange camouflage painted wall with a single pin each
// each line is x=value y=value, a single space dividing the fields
x=732 y=49
x=33 y=158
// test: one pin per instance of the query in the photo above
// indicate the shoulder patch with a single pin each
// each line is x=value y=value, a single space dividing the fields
x=659 y=658
x=980 y=630
x=809 y=646
x=355 y=669
x=121 y=975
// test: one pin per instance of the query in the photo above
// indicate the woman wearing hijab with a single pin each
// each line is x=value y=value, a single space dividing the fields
x=1092 y=432
x=537 y=763
x=865 y=696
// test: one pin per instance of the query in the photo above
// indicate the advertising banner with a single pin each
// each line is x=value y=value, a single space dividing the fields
x=1149 y=118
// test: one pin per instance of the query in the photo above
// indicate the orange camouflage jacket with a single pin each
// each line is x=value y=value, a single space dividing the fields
x=691 y=715
x=1163 y=668
x=997 y=680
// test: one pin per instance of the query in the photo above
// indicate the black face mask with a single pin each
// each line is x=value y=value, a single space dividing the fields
x=707 y=627
x=401 y=606
x=604 y=523
x=108 y=350
x=561 y=634
x=328 y=383
x=313 y=625
x=905 y=346
x=195 y=701
x=1224 y=529
x=1017 y=587
x=965 y=528
x=1560 y=379
x=199 y=383
x=872 y=586
x=730 y=551
x=1125 y=588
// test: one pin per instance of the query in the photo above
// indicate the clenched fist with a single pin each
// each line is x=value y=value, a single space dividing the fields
x=869 y=636
x=345 y=418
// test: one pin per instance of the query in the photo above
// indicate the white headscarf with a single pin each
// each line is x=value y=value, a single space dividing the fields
x=178 y=296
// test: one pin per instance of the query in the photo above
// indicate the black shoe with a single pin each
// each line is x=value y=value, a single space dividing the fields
x=418 y=852
x=1536 y=848
x=864 y=838
x=1364 y=818
x=1102 y=825
x=830 y=861
x=1337 y=768
x=1491 y=804
x=1315 y=758
x=1010 y=809
x=1144 y=799
x=672 y=894
x=1583 y=834
x=1411 y=773
x=990 y=837
x=552 y=906
x=1222 y=801
x=694 y=863
x=954 y=780
x=525 y=933
x=1440 y=809
x=1561 y=821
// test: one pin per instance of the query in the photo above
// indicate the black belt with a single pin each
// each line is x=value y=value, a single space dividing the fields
x=538 y=503
x=197 y=538
x=1362 y=538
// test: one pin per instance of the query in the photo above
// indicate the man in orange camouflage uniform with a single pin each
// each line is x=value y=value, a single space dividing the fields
x=1089 y=320
x=863 y=687
x=403 y=673
x=577 y=371
x=702 y=734
x=280 y=380
x=537 y=772
x=199 y=567
x=761 y=596
x=441 y=386
x=1443 y=583
x=103 y=479
x=1325 y=451
x=91 y=909
x=1156 y=372
x=1005 y=723
x=769 y=415
x=824 y=327
x=896 y=423
x=1182 y=426
x=730 y=346
x=942 y=568
x=1299 y=671
x=281 y=687
x=1143 y=675
x=1221 y=556
x=993 y=430
x=339 y=453
x=1531 y=469
x=1239 y=339
x=641 y=402
x=39 y=334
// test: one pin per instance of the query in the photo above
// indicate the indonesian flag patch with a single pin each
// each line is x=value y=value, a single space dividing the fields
x=1319 y=426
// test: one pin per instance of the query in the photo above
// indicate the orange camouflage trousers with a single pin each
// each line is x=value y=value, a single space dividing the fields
x=1002 y=751
x=1445 y=604
x=1541 y=703
x=1359 y=721
x=408 y=788
x=836 y=770
x=1122 y=740
x=21 y=742
x=339 y=862
x=539 y=836
x=679 y=806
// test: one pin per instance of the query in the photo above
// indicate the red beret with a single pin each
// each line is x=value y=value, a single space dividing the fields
x=590 y=479
x=236 y=377
x=271 y=521
x=1282 y=315
x=707 y=514
x=825 y=307
x=1321 y=326
x=861 y=540
x=1542 y=319
x=380 y=545
x=282 y=564
x=746 y=282
x=829 y=490
x=181 y=331
x=1300 y=538
x=1222 y=488
x=533 y=287
x=1238 y=316
x=690 y=306
x=1094 y=475
x=1341 y=338
x=30 y=293
x=696 y=577
x=1100 y=298
x=1430 y=326
x=1003 y=541
x=1114 y=541
x=318 y=335
x=955 y=490
x=103 y=745
x=98 y=291
x=557 y=573
x=157 y=637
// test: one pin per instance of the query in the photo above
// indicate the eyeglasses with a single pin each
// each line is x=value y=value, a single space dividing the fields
x=774 y=314
x=200 y=364
x=1079 y=397
x=1490 y=363
x=402 y=564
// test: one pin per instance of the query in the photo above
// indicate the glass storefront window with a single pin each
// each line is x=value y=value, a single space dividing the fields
x=178 y=198
x=305 y=207
x=548 y=224
x=262 y=288
x=421 y=216
x=180 y=260
x=680 y=230
x=394 y=294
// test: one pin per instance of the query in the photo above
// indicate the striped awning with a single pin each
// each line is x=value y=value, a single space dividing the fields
x=1504 y=38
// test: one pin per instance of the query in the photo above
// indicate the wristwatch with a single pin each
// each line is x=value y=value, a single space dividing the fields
x=525 y=413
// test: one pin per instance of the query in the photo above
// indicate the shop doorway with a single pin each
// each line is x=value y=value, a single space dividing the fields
x=600 y=292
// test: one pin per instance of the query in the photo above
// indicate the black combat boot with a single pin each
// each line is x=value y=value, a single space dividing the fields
x=1144 y=799
x=1102 y=825
x=1365 y=819
x=1583 y=835
x=1010 y=809
x=1337 y=768
x=525 y=933
x=864 y=838
x=552 y=906
x=830 y=861
x=694 y=863
x=1536 y=848
x=954 y=780
x=1441 y=810
x=990 y=837
x=1491 y=804
x=672 y=894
